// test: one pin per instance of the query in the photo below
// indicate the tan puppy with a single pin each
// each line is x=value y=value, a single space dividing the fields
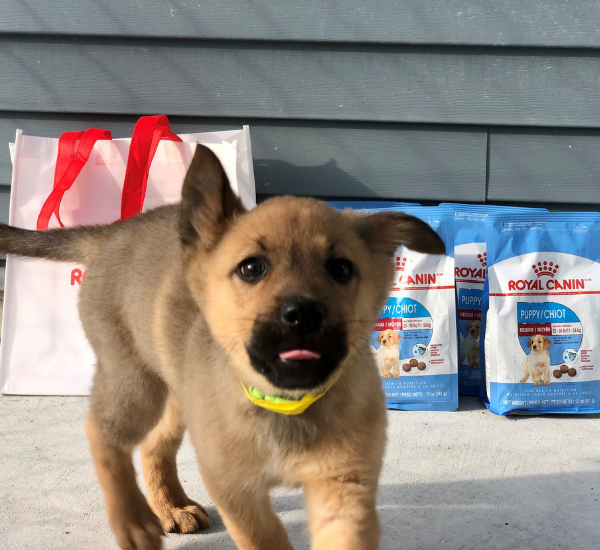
x=186 y=303
x=388 y=354
x=537 y=363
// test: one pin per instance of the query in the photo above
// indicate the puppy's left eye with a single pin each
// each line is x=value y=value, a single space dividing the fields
x=252 y=270
x=341 y=270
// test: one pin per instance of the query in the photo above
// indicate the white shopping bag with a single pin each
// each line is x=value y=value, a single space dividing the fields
x=44 y=350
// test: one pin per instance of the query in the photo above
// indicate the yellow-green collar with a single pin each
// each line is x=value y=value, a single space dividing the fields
x=281 y=405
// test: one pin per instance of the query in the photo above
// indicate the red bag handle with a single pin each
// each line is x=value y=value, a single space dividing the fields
x=69 y=163
x=71 y=159
x=148 y=132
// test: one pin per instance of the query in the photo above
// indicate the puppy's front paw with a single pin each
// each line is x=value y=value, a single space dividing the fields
x=537 y=383
x=138 y=529
x=547 y=383
x=523 y=380
x=183 y=519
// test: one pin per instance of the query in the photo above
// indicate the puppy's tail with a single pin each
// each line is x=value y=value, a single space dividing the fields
x=77 y=244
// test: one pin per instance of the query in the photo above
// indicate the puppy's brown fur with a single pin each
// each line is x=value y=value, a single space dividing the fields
x=171 y=322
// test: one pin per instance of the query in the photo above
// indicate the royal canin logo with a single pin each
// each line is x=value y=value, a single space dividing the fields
x=418 y=279
x=415 y=279
x=400 y=263
x=77 y=276
x=546 y=269
x=472 y=272
x=469 y=273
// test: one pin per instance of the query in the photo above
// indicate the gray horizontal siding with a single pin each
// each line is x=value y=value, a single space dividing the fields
x=552 y=166
x=471 y=22
x=321 y=159
x=4 y=205
x=302 y=81
x=424 y=100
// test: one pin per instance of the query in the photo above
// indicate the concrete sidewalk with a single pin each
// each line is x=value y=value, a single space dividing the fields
x=463 y=480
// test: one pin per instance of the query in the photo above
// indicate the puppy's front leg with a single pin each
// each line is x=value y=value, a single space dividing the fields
x=547 y=377
x=248 y=516
x=176 y=512
x=342 y=514
x=134 y=524
x=525 y=372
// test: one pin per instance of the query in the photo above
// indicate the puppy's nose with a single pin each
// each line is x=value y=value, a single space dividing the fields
x=305 y=315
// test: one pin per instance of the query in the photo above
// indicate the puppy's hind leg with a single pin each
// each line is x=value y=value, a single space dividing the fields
x=177 y=513
x=127 y=401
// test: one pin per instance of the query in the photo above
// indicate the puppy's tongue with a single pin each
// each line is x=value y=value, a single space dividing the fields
x=299 y=355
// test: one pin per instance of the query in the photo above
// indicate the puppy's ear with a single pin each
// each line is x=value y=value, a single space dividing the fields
x=547 y=343
x=468 y=327
x=530 y=342
x=208 y=204
x=380 y=336
x=397 y=338
x=384 y=232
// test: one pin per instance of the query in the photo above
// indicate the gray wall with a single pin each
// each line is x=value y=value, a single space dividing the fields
x=461 y=100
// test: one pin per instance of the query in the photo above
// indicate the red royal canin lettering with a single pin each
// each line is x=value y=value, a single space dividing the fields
x=77 y=276
x=550 y=284
x=418 y=279
x=469 y=273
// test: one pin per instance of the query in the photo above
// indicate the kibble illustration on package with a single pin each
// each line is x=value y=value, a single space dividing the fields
x=414 y=339
x=541 y=328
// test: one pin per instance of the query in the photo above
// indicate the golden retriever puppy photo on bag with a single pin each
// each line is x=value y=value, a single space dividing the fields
x=537 y=363
x=469 y=346
x=251 y=330
x=388 y=354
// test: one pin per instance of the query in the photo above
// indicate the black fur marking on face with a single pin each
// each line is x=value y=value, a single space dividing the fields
x=270 y=339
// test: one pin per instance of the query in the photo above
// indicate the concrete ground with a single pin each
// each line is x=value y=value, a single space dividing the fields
x=463 y=480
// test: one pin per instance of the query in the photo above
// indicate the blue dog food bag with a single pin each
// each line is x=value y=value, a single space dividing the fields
x=414 y=339
x=542 y=308
x=470 y=262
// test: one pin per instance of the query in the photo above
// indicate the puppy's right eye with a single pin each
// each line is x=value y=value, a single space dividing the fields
x=341 y=270
x=252 y=270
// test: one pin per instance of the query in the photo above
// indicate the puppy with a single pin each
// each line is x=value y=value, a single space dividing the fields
x=469 y=347
x=537 y=363
x=388 y=354
x=192 y=306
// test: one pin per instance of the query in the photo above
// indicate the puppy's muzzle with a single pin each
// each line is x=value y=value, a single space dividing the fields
x=298 y=347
